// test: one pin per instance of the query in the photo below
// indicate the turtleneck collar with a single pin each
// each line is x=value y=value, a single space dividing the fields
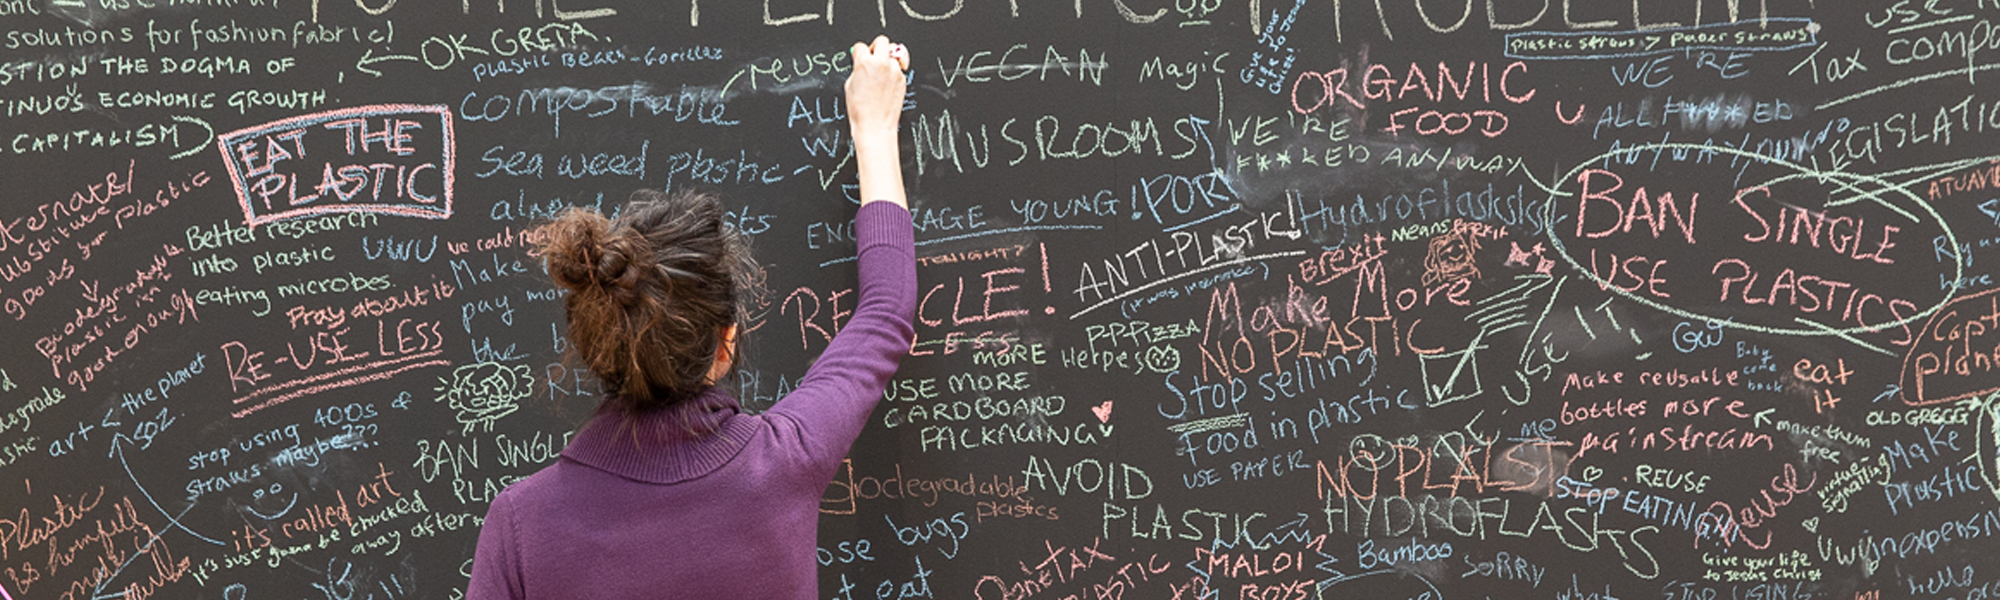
x=671 y=445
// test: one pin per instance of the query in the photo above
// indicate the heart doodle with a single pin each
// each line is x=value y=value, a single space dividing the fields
x=1103 y=412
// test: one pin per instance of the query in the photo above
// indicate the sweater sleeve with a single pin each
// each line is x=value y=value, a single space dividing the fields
x=496 y=568
x=834 y=399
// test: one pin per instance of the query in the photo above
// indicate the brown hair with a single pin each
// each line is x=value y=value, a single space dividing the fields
x=650 y=293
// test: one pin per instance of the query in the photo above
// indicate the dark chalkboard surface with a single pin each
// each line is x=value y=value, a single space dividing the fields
x=1246 y=300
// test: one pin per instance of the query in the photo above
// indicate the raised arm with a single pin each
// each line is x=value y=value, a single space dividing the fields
x=834 y=399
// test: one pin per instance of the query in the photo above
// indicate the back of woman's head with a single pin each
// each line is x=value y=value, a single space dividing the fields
x=650 y=293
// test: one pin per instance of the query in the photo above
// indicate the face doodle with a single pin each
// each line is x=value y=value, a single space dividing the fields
x=1451 y=257
x=484 y=392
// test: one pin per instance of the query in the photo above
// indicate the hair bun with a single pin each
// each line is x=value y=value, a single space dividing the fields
x=573 y=249
x=625 y=257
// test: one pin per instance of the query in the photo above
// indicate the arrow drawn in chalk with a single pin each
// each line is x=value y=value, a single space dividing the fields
x=368 y=58
x=97 y=591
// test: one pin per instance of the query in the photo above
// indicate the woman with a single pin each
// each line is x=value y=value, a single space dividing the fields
x=670 y=491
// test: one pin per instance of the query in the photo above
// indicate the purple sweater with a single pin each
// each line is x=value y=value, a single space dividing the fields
x=642 y=509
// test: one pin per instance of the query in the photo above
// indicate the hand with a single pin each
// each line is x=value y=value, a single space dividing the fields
x=875 y=88
x=874 y=107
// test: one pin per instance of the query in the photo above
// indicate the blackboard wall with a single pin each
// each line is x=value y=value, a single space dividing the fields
x=1260 y=300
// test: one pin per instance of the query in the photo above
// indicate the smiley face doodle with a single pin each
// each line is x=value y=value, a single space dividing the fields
x=484 y=392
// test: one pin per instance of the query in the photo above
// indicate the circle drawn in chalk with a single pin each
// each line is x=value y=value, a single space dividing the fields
x=1986 y=439
x=1848 y=182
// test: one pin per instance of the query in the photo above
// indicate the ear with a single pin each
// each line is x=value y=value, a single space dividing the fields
x=726 y=351
x=725 y=356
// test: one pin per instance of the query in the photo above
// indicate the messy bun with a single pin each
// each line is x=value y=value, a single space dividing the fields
x=650 y=292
